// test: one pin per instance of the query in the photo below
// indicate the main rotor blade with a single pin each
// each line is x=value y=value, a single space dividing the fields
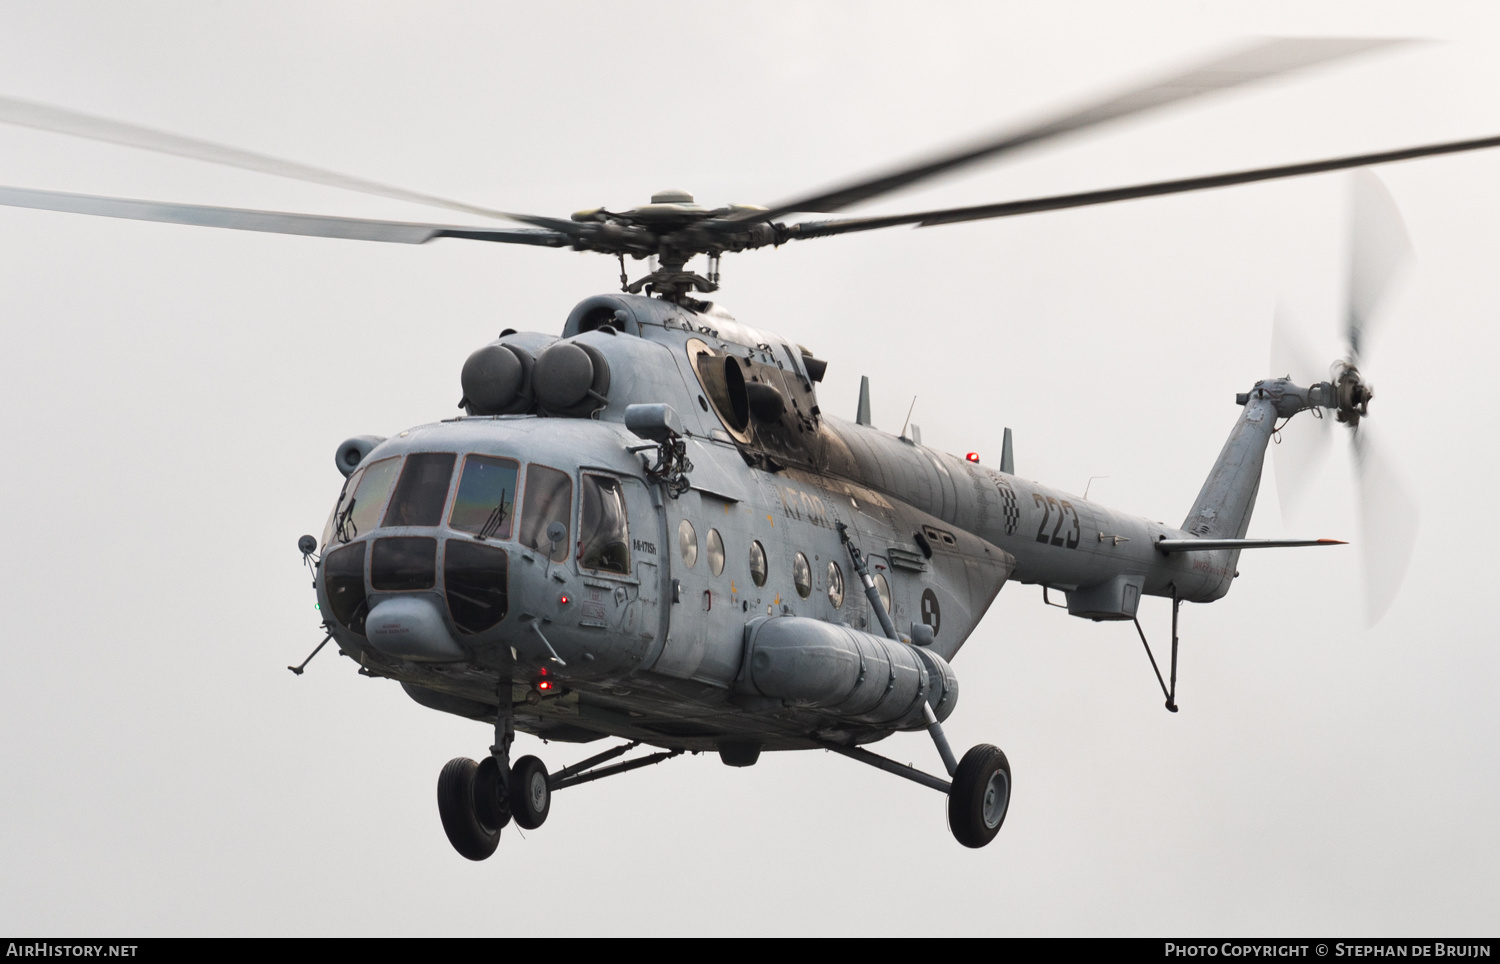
x=1005 y=209
x=60 y=121
x=277 y=222
x=1378 y=249
x=1266 y=58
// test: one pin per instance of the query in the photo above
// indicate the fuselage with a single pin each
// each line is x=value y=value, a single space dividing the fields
x=536 y=544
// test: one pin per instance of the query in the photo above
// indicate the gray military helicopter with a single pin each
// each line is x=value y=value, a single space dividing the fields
x=647 y=528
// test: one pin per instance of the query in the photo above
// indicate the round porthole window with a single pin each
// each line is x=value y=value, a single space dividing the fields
x=757 y=563
x=802 y=576
x=835 y=585
x=715 y=552
x=687 y=543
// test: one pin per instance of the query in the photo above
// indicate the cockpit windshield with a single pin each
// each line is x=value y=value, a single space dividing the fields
x=486 y=499
x=422 y=490
x=358 y=514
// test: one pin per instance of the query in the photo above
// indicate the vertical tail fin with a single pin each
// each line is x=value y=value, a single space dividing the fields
x=1227 y=499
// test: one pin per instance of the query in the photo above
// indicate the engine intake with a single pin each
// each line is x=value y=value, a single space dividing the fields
x=497 y=380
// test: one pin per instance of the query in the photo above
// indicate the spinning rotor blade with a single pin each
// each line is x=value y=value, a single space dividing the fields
x=1267 y=58
x=1388 y=523
x=277 y=222
x=60 y=121
x=1005 y=209
x=1303 y=442
x=1290 y=355
x=1378 y=248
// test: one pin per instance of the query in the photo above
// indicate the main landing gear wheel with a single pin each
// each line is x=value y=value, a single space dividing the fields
x=491 y=801
x=473 y=825
x=532 y=797
x=980 y=796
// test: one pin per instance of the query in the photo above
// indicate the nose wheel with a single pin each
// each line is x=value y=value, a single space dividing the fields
x=531 y=796
x=477 y=800
x=472 y=811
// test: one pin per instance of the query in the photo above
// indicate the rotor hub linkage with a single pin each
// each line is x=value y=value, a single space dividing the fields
x=1353 y=395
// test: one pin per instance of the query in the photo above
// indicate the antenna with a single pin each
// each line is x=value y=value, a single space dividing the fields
x=908 y=416
x=862 y=417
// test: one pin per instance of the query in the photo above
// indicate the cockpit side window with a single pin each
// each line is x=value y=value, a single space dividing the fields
x=486 y=500
x=603 y=530
x=548 y=499
x=422 y=490
x=331 y=529
x=357 y=516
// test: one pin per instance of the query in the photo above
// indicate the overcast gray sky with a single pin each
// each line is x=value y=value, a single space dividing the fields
x=174 y=396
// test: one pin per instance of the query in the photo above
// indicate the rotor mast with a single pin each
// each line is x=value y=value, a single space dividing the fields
x=672 y=229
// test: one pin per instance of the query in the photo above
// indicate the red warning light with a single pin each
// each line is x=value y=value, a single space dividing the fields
x=972 y=456
x=563 y=599
x=544 y=685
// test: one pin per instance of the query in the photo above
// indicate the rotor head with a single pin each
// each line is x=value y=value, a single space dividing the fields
x=1351 y=392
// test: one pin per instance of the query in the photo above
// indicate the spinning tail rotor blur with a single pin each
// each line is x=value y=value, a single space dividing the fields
x=1379 y=250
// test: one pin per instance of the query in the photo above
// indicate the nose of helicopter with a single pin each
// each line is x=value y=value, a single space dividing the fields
x=454 y=543
x=412 y=627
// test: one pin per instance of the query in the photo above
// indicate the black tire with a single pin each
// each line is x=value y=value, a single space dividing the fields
x=531 y=798
x=470 y=835
x=980 y=796
x=491 y=801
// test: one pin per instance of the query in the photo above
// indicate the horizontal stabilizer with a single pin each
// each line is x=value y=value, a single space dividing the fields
x=1204 y=545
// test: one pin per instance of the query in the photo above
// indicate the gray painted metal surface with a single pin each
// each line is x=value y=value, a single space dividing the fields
x=732 y=614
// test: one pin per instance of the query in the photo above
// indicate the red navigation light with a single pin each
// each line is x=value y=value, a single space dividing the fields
x=972 y=456
x=563 y=599
x=544 y=685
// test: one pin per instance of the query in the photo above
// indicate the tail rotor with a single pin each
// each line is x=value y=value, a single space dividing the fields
x=1379 y=251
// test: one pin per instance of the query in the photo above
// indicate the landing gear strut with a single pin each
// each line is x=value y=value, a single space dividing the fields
x=979 y=794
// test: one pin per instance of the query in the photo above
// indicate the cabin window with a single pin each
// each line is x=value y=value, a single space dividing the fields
x=603 y=529
x=548 y=499
x=486 y=499
x=802 y=576
x=715 y=552
x=403 y=563
x=474 y=577
x=344 y=580
x=757 y=564
x=835 y=585
x=359 y=515
x=687 y=543
x=422 y=490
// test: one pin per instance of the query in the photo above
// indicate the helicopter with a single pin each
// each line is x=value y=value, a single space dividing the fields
x=607 y=560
